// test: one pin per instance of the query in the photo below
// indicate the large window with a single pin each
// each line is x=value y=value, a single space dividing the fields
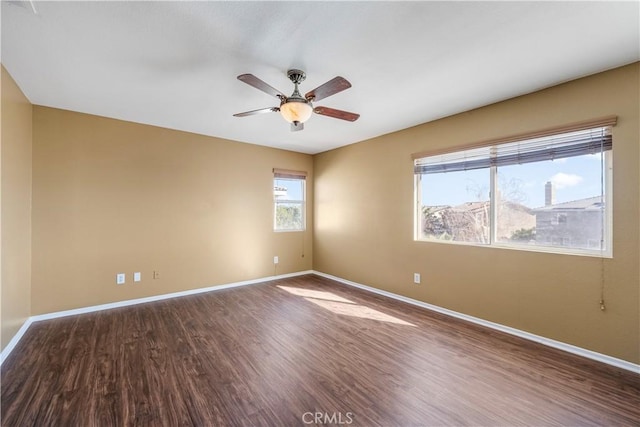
x=288 y=200
x=547 y=193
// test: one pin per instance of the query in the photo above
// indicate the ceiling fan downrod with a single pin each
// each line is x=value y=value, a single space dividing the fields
x=296 y=77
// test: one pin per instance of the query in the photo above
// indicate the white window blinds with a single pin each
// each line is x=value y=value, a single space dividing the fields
x=563 y=145
x=289 y=174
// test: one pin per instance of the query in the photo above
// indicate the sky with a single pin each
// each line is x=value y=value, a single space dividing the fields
x=295 y=188
x=574 y=178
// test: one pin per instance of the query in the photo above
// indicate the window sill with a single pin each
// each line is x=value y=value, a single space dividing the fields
x=542 y=249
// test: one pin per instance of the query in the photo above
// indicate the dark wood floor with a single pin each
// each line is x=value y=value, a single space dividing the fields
x=280 y=352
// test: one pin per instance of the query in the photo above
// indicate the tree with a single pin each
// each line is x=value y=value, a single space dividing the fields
x=524 y=234
x=433 y=224
x=288 y=217
x=511 y=189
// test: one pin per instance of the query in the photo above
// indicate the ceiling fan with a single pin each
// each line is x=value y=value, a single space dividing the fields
x=297 y=109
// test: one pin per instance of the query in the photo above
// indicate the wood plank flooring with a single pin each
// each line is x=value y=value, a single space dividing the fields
x=299 y=351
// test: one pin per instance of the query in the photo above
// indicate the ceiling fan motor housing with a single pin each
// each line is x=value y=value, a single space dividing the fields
x=296 y=109
x=296 y=76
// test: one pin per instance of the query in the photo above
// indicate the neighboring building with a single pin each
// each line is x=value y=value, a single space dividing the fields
x=513 y=217
x=280 y=192
x=469 y=222
x=577 y=224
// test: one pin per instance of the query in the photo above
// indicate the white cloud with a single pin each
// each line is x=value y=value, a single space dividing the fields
x=564 y=180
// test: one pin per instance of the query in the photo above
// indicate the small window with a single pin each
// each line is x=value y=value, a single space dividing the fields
x=547 y=193
x=558 y=219
x=289 y=200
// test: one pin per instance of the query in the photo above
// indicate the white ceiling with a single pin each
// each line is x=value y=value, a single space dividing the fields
x=174 y=64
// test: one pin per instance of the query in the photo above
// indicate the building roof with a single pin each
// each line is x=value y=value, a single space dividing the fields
x=590 y=203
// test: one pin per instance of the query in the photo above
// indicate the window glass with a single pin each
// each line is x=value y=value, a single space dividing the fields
x=546 y=193
x=552 y=203
x=289 y=204
x=455 y=206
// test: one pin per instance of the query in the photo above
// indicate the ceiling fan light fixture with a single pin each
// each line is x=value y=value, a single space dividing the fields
x=296 y=111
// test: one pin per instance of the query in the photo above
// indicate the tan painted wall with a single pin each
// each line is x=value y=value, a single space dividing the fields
x=364 y=224
x=112 y=196
x=16 y=137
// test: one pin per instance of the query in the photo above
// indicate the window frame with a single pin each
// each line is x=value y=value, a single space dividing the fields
x=293 y=176
x=607 y=176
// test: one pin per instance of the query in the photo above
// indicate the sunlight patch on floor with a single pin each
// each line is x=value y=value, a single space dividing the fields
x=356 y=310
x=343 y=306
x=309 y=293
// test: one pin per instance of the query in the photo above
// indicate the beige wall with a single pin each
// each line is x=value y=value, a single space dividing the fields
x=364 y=224
x=16 y=136
x=112 y=196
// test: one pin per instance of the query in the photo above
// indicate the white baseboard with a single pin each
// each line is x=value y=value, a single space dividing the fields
x=509 y=330
x=163 y=296
x=16 y=338
x=609 y=360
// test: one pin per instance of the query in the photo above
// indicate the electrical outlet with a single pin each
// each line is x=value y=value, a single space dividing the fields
x=156 y=274
x=137 y=277
x=120 y=278
x=275 y=260
x=416 y=278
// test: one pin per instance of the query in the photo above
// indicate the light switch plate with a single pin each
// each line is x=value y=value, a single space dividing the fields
x=137 y=276
x=120 y=278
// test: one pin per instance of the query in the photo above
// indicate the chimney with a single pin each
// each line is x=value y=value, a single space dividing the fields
x=549 y=194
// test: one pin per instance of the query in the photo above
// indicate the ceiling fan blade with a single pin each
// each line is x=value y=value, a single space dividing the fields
x=336 y=114
x=260 y=111
x=252 y=80
x=296 y=126
x=333 y=86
